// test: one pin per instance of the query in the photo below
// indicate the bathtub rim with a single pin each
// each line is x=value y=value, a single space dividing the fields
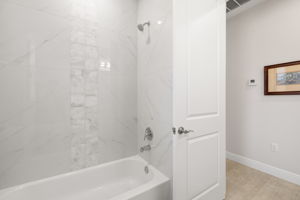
x=157 y=179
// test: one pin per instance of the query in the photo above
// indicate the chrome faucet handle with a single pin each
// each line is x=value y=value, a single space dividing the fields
x=148 y=134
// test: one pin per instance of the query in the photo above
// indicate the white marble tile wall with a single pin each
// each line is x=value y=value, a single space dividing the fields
x=155 y=81
x=68 y=79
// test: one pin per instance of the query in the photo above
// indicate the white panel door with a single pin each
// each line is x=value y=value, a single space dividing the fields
x=199 y=99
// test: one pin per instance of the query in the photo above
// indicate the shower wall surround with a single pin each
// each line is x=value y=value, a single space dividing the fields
x=155 y=81
x=68 y=85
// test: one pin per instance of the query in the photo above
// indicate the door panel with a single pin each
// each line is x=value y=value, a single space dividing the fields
x=203 y=164
x=205 y=67
x=199 y=99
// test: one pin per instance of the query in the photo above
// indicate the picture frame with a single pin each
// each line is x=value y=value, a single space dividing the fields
x=282 y=79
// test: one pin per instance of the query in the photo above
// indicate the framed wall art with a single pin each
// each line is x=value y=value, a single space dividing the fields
x=282 y=79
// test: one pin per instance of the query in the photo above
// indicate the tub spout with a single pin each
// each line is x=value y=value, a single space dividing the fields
x=145 y=148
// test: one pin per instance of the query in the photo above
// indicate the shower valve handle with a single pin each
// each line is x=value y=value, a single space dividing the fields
x=148 y=134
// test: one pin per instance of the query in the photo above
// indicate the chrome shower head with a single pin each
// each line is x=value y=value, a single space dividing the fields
x=141 y=27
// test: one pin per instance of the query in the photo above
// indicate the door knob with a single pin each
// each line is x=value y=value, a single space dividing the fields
x=181 y=130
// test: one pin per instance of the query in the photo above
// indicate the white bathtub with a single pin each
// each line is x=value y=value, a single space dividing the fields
x=118 y=180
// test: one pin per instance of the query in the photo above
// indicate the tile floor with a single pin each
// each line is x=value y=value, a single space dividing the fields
x=244 y=183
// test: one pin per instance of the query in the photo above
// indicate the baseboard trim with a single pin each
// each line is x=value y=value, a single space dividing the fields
x=274 y=171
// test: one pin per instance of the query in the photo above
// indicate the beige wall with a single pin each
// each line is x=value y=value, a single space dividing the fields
x=266 y=34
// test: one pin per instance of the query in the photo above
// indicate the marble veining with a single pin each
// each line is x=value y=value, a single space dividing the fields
x=155 y=81
x=68 y=80
x=78 y=85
